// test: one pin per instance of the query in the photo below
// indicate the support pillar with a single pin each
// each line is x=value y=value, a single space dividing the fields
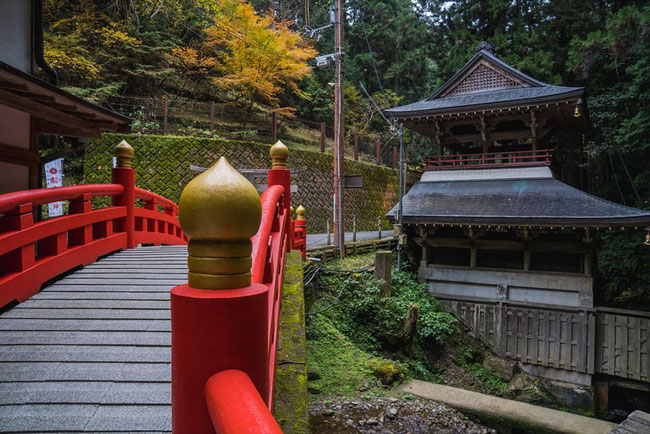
x=124 y=175
x=219 y=318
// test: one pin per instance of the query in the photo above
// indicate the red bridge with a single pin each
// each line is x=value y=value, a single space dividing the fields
x=96 y=350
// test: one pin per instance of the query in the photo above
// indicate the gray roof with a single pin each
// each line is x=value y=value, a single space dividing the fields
x=531 y=92
x=510 y=196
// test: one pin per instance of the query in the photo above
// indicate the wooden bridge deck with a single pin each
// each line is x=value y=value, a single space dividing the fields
x=91 y=352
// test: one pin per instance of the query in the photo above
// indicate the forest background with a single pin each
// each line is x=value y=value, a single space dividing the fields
x=258 y=56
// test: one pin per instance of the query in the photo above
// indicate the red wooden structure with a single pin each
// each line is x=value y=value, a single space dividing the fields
x=33 y=252
x=223 y=341
x=540 y=157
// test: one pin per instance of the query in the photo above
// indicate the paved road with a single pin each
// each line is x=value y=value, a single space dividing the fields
x=317 y=240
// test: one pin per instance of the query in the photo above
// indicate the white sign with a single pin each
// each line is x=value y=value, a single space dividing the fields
x=54 y=178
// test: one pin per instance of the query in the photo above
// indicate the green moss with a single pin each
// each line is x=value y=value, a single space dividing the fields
x=387 y=371
x=162 y=165
x=291 y=405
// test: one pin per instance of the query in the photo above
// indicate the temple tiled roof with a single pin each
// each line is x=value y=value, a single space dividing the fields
x=523 y=197
x=486 y=82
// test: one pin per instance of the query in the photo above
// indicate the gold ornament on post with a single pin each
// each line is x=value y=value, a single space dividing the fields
x=124 y=152
x=647 y=239
x=220 y=211
x=279 y=153
x=300 y=213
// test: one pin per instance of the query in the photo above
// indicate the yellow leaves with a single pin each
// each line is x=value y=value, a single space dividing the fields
x=258 y=57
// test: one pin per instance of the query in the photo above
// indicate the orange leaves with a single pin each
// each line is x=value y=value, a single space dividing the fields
x=257 y=57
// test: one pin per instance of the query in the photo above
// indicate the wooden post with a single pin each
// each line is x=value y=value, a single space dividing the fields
x=410 y=327
x=123 y=174
x=323 y=137
x=329 y=238
x=212 y=118
x=378 y=152
x=379 y=227
x=394 y=157
x=383 y=267
x=165 y=112
x=356 y=146
x=274 y=127
x=354 y=228
x=219 y=319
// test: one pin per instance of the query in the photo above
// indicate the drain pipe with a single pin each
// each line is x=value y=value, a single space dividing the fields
x=37 y=43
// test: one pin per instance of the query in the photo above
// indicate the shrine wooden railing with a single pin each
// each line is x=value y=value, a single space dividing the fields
x=540 y=157
x=225 y=324
x=33 y=252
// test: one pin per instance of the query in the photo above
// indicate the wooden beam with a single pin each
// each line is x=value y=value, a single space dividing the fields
x=13 y=86
x=43 y=111
x=45 y=127
x=12 y=154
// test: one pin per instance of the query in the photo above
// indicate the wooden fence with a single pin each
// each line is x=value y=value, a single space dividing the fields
x=622 y=343
x=601 y=340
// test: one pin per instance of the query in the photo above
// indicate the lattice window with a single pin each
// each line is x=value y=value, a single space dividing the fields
x=482 y=78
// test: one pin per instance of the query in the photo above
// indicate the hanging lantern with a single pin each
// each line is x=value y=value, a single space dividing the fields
x=576 y=111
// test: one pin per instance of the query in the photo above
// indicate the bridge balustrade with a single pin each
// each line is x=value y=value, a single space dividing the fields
x=33 y=252
x=225 y=320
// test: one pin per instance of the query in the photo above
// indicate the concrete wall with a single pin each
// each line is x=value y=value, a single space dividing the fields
x=562 y=289
x=16 y=34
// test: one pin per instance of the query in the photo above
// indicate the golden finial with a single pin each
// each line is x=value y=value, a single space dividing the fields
x=279 y=153
x=647 y=239
x=124 y=152
x=220 y=211
x=291 y=211
x=300 y=213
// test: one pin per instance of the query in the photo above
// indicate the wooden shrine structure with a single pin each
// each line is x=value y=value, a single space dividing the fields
x=505 y=245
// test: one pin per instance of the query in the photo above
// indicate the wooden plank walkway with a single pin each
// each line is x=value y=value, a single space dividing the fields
x=91 y=352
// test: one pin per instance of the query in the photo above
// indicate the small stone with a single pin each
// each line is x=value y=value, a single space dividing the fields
x=328 y=412
x=355 y=403
x=393 y=399
x=350 y=422
x=366 y=384
x=391 y=413
x=362 y=422
x=381 y=419
x=372 y=421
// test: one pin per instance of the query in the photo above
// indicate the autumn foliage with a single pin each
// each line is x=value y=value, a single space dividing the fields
x=254 y=57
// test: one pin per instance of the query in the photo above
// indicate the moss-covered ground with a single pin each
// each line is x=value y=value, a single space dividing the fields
x=359 y=342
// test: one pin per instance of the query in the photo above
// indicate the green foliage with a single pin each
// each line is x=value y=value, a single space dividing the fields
x=353 y=305
x=470 y=360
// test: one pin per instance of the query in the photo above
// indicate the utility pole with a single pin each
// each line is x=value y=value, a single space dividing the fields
x=339 y=227
x=400 y=207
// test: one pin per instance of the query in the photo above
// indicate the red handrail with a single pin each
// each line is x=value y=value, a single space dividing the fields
x=42 y=196
x=540 y=157
x=33 y=252
x=235 y=406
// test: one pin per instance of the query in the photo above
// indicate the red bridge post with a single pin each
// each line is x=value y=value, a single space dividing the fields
x=123 y=174
x=301 y=231
x=219 y=319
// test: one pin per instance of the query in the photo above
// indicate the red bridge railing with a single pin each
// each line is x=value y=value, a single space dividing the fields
x=225 y=324
x=492 y=159
x=33 y=252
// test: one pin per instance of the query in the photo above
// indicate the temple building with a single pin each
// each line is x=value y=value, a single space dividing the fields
x=506 y=245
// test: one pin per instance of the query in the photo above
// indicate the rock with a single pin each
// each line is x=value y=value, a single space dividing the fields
x=372 y=421
x=355 y=403
x=381 y=419
x=393 y=399
x=568 y=394
x=386 y=371
x=313 y=374
x=328 y=412
x=362 y=422
x=503 y=368
x=350 y=422
x=313 y=389
x=520 y=382
x=366 y=384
